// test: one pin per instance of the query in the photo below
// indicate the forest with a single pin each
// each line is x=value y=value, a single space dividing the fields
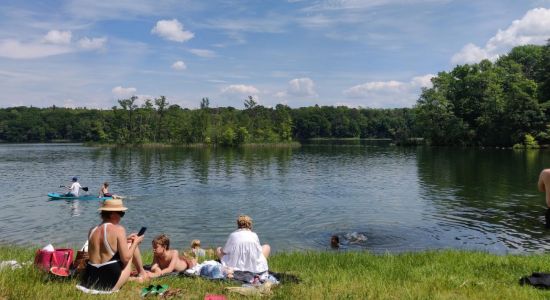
x=500 y=103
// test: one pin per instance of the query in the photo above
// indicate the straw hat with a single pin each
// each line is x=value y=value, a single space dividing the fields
x=113 y=205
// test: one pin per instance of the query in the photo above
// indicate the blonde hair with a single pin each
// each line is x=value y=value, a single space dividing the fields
x=162 y=240
x=195 y=243
x=244 y=221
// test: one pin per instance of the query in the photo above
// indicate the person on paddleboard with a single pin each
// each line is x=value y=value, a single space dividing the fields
x=74 y=189
x=104 y=190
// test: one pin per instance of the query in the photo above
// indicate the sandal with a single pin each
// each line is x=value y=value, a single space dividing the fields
x=150 y=290
x=160 y=289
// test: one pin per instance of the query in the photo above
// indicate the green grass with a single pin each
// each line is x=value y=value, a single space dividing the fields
x=329 y=275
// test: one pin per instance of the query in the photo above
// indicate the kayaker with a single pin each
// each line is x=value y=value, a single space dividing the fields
x=104 y=190
x=74 y=189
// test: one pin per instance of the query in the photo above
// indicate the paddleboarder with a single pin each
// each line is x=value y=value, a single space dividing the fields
x=74 y=189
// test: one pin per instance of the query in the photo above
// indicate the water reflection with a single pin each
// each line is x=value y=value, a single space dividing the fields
x=397 y=198
x=485 y=197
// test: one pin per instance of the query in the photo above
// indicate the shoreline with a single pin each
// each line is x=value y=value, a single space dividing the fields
x=442 y=274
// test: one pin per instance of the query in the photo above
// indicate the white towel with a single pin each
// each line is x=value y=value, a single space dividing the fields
x=93 y=292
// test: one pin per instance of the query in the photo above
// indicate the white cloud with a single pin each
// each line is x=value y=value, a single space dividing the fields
x=301 y=87
x=389 y=93
x=120 y=91
x=17 y=50
x=92 y=44
x=58 y=37
x=317 y=21
x=203 y=53
x=532 y=28
x=69 y=103
x=470 y=54
x=97 y=10
x=240 y=89
x=172 y=30
x=53 y=43
x=364 y=4
x=298 y=87
x=179 y=65
x=422 y=81
x=272 y=24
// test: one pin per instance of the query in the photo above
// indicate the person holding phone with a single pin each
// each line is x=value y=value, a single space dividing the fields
x=111 y=252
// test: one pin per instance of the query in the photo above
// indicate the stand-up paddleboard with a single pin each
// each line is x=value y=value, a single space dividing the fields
x=58 y=196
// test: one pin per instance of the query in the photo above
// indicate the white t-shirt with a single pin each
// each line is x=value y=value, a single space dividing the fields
x=243 y=252
x=75 y=188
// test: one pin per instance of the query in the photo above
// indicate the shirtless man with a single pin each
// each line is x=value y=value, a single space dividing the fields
x=544 y=186
x=166 y=260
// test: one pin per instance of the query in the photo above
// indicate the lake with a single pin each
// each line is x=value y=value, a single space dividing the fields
x=398 y=199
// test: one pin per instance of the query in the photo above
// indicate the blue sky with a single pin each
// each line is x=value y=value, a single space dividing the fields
x=376 y=53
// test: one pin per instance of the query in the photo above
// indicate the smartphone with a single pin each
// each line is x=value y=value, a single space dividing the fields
x=142 y=231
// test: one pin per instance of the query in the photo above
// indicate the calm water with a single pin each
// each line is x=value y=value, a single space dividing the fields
x=399 y=198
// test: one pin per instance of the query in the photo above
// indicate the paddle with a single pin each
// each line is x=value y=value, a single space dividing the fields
x=85 y=188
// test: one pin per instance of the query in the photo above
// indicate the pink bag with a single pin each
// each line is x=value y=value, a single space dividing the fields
x=60 y=258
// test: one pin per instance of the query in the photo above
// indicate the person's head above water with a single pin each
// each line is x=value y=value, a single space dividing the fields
x=244 y=222
x=75 y=179
x=106 y=184
x=335 y=241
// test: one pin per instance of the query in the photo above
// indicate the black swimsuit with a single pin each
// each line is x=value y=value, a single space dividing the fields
x=103 y=276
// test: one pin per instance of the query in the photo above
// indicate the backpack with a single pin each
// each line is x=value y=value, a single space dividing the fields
x=538 y=280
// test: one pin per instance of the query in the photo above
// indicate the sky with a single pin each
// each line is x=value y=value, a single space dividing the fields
x=358 y=53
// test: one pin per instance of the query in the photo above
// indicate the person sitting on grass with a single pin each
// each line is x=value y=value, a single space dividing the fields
x=196 y=249
x=111 y=252
x=165 y=260
x=242 y=251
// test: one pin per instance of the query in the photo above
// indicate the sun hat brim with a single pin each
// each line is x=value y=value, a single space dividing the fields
x=113 y=208
x=113 y=205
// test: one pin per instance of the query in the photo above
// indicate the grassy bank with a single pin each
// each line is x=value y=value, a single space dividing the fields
x=330 y=275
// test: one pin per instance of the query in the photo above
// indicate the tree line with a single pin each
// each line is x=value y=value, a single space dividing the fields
x=157 y=121
x=499 y=103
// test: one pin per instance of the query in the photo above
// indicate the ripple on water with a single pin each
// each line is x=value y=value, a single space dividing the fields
x=401 y=199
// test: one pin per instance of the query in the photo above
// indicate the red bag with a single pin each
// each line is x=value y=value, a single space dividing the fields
x=60 y=258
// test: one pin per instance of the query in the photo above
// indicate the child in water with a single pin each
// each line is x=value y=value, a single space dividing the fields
x=166 y=260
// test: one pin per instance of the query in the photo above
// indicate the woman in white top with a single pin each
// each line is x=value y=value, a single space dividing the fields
x=242 y=251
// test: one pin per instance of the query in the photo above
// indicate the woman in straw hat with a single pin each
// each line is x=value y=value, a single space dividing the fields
x=110 y=251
